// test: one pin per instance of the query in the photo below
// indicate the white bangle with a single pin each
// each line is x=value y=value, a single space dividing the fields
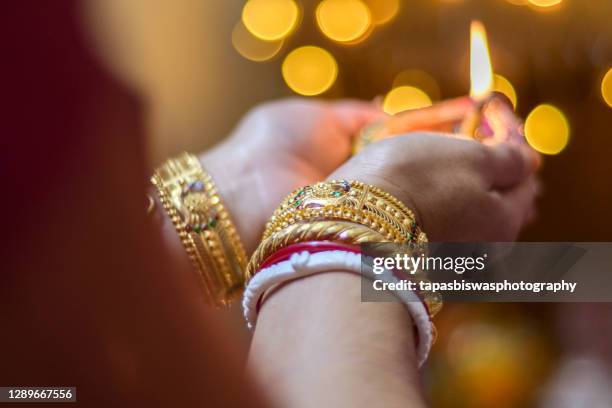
x=304 y=264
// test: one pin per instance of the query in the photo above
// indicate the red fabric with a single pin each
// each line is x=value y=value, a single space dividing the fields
x=90 y=297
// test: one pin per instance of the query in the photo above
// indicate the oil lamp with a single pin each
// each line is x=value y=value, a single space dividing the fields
x=484 y=115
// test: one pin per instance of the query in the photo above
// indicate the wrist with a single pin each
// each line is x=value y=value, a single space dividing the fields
x=233 y=179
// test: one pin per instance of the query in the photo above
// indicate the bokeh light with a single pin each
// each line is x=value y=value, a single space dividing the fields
x=270 y=20
x=253 y=48
x=383 y=11
x=502 y=85
x=309 y=70
x=547 y=129
x=606 y=87
x=405 y=98
x=343 y=20
x=518 y=2
x=419 y=79
x=545 y=3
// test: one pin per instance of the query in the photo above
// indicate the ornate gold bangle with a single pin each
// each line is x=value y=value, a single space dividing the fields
x=189 y=196
x=350 y=195
x=343 y=211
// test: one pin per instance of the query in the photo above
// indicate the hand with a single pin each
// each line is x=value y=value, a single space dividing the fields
x=459 y=189
x=278 y=147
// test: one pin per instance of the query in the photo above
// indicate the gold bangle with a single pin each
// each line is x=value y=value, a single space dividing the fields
x=189 y=196
x=337 y=231
x=352 y=195
x=343 y=211
x=330 y=212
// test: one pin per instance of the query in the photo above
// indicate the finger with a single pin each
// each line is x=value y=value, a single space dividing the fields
x=520 y=202
x=441 y=117
x=354 y=115
x=533 y=214
x=509 y=164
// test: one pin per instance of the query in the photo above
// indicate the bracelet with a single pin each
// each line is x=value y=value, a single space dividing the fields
x=431 y=300
x=190 y=198
x=347 y=212
x=331 y=212
x=312 y=247
x=352 y=205
x=305 y=264
x=336 y=231
x=337 y=197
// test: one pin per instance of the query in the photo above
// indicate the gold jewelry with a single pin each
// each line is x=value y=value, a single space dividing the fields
x=336 y=206
x=337 y=231
x=432 y=300
x=342 y=211
x=342 y=194
x=189 y=196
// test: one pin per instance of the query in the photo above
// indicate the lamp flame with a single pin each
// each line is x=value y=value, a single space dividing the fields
x=481 y=71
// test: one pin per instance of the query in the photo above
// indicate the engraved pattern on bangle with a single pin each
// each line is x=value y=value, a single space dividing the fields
x=342 y=204
x=190 y=197
x=352 y=195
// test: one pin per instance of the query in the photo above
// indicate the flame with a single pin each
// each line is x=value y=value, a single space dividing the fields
x=481 y=71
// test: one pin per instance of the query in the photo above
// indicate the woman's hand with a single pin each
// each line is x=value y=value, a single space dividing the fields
x=278 y=147
x=460 y=190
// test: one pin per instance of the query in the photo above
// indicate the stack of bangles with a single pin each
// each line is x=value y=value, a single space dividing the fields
x=318 y=228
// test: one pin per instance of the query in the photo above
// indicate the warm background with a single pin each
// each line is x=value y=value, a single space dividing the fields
x=180 y=56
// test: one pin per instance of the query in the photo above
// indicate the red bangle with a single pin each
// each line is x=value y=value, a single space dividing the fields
x=312 y=247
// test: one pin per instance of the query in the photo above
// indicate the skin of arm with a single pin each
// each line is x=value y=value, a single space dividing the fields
x=317 y=345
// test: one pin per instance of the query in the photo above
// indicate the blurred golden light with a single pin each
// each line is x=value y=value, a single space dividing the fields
x=547 y=129
x=343 y=20
x=362 y=37
x=481 y=71
x=383 y=11
x=419 y=79
x=502 y=85
x=545 y=3
x=253 y=48
x=270 y=20
x=606 y=87
x=309 y=70
x=518 y=2
x=405 y=98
